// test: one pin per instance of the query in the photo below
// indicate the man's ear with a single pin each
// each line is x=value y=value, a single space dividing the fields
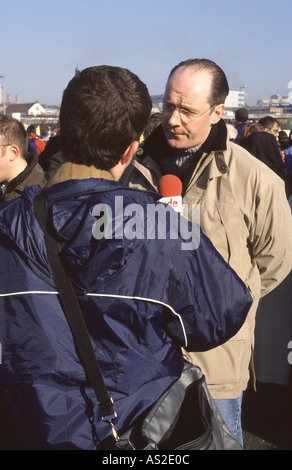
x=128 y=154
x=217 y=113
x=14 y=152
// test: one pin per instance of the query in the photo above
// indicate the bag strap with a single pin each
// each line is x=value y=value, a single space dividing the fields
x=74 y=315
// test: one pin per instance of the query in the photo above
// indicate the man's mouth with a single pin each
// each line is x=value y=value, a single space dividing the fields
x=175 y=133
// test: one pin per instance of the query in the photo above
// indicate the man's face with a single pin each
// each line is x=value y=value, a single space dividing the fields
x=187 y=113
x=4 y=160
x=274 y=130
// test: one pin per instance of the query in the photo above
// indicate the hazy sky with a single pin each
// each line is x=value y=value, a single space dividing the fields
x=42 y=42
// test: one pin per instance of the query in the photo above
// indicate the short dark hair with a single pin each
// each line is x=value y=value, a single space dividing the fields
x=241 y=115
x=14 y=132
x=268 y=122
x=104 y=109
x=220 y=87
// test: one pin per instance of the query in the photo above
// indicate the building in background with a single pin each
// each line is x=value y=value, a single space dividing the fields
x=236 y=99
x=275 y=101
x=27 y=109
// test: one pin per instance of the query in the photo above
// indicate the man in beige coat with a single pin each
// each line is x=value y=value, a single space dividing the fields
x=243 y=208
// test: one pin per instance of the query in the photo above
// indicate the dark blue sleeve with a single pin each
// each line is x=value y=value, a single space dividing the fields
x=209 y=301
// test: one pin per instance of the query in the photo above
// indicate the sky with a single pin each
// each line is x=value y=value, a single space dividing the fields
x=42 y=42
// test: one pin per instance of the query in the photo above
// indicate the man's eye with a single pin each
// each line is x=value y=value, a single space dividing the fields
x=186 y=112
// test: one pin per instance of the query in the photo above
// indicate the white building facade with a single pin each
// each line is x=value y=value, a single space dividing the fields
x=235 y=99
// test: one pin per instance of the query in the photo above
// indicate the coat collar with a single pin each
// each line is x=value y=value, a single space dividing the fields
x=212 y=156
x=72 y=180
x=157 y=147
x=32 y=160
x=72 y=171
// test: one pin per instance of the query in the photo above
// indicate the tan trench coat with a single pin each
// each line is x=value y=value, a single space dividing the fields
x=245 y=213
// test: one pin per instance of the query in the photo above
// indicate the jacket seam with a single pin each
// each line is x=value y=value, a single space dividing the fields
x=146 y=299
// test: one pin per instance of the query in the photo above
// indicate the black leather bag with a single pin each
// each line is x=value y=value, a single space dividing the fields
x=184 y=418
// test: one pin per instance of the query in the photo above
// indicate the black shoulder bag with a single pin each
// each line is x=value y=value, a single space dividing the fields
x=184 y=418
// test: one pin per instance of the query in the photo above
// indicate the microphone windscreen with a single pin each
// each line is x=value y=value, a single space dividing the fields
x=170 y=185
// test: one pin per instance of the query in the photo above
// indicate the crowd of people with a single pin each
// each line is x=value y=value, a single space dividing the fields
x=148 y=304
x=265 y=141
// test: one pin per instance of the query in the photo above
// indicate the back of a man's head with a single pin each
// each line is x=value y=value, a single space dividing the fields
x=31 y=129
x=241 y=115
x=14 y=133
x=104 y=109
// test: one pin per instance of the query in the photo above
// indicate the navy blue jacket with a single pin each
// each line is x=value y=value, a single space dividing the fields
x=143 y=298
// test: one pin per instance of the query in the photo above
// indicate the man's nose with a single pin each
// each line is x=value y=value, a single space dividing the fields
x=174 y=119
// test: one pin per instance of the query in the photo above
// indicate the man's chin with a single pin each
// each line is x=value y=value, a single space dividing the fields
x=176 y=142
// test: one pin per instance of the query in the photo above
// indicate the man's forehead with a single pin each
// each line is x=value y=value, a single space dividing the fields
x=191 y=72
x=189 y=81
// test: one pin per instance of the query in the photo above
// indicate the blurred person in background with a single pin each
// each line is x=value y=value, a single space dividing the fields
x=37 y=144
x=241 y=119
x=18 y=164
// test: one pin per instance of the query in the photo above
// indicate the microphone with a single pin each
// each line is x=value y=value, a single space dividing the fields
x=170 y=186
